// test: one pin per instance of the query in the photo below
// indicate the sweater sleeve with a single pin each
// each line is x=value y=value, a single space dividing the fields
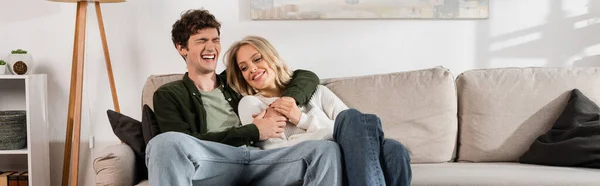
x=248 y=106
x=329 y=104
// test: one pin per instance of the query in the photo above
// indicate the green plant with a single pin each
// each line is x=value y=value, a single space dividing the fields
x=19 y=51
x=2 y=62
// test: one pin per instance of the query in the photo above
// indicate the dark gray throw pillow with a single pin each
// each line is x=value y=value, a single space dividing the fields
x=573 y=140
x=129 y=131
x=149 y=124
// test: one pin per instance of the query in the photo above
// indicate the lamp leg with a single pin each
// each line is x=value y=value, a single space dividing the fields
x=75 y=96
x=107 y=57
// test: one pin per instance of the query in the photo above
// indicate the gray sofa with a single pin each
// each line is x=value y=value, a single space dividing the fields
x=468 y=130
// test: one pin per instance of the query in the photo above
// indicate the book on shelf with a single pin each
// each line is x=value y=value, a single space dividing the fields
x=24 y=179
x=14 y=178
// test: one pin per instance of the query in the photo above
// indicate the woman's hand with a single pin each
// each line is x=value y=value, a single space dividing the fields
x=287 y=106
x=271 y=127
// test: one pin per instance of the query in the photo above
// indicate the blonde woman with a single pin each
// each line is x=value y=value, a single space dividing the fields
x=256 y=70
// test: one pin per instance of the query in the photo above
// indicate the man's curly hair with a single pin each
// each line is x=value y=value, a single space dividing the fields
x=190 y=22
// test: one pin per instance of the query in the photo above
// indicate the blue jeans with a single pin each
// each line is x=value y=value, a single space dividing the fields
x=175 y=158
x=369 y=159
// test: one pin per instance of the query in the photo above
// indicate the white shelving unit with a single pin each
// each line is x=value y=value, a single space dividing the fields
x=29 y=93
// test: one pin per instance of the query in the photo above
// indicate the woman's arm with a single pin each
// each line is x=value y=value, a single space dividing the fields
x=329 y=104
x=251 y=105
x=248 y=106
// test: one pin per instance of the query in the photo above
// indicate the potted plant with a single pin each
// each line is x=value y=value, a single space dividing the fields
x=19 y=62
x=2 y=67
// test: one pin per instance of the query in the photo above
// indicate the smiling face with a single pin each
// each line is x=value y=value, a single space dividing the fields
x=202 y=51
x=255 y=69
x=254 y=66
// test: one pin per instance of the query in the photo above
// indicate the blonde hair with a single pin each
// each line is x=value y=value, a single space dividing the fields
x=269 y=54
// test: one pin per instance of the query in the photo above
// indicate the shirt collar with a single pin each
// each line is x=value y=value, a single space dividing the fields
x=191 y=86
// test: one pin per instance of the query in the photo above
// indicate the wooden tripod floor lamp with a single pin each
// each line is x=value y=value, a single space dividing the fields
x=75 y=93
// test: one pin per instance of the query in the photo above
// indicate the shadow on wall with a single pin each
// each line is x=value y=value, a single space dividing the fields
x=562 y=41
x=84 y=164
x=22 y=10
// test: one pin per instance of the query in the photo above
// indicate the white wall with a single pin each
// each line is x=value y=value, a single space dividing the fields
x=518 y=33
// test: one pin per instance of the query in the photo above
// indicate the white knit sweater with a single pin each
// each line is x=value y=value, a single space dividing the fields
x=316 y=122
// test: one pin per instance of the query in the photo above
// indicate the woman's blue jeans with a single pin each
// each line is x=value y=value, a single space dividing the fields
x=368 y=158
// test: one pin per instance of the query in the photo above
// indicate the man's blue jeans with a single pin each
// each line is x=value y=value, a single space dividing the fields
x=370 y=159
x=175 y=158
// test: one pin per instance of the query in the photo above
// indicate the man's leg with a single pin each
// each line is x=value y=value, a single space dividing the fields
x=175 y=158
x=315 y=162
x=396 y=163
x=360 y=137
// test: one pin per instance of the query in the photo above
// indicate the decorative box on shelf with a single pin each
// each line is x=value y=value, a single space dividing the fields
x=24 y=126
x=13 y=129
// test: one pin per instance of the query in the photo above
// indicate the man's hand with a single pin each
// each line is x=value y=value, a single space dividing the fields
x=271 y=127
x=271 y=112
x=287 y=106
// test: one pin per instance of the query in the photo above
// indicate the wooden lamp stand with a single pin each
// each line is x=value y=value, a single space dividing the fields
x=75 y=93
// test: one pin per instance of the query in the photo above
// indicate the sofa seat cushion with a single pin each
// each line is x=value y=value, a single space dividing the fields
x=501 y=174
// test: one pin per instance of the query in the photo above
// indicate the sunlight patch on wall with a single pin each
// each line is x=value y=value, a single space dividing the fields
x=588 y=57
x=592 y=50
x=574 y=8
x=515 y=41
x=519 y=17
x=586 y=23
x=517 y=62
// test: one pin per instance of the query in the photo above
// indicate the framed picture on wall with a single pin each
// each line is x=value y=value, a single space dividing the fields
x=369 y=9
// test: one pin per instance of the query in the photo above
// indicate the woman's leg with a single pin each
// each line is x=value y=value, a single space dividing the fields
x=360 y=138
x=396 y=163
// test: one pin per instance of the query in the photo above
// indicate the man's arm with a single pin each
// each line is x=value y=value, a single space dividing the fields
x=170 y=117
x=302 y=86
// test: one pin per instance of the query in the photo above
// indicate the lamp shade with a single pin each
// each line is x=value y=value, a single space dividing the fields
x=101 y=1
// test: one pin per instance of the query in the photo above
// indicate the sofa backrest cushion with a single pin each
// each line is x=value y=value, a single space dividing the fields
x=417 y=108
x=502 y=111
x=154 y=82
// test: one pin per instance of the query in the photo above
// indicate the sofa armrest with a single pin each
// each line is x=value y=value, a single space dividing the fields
x=115 y=166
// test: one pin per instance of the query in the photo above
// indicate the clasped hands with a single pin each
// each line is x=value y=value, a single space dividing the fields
x=271 y=121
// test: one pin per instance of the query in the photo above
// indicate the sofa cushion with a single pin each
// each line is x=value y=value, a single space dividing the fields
x=512 y=174
x=502 y=111
x=574 y=139
x=115 y=166
x=417 y=108
x=130 y=131
x=154 y=82
x=149 y=124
